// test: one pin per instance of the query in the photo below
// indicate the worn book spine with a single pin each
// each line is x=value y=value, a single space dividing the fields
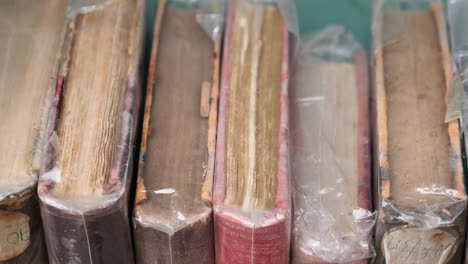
x=101 y=234
x=28 y=44
x=429 y=227
x=252 y=236
x=301 y=255
x=189 y=236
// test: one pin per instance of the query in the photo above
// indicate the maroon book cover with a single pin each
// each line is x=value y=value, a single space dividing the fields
x=252 y=235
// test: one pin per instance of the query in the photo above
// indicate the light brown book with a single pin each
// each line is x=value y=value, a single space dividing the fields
x=421 y=189
x=173 y=215
x=30 y=33
x=86 y=176
x=330 y=160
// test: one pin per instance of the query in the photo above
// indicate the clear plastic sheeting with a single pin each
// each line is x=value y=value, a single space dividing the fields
x=420 y=185
x=330 y=143
x=172 y=218
x=88 y=154
x=85 y=6
x=30 y=35
x=210 y=15
x=457 y=20
x=251 y=196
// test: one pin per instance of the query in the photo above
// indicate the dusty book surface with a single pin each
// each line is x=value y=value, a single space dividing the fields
x=87 y=168
x=30 y=33
x=422 y=194
x=251 y=193
x=330 y=151
x=173 y=215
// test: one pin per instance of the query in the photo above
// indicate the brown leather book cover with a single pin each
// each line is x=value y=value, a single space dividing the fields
x=251 y=192
x=330 y=151
x=422 y=199
x=173 y=215
x=30 y=33
x=86 y=175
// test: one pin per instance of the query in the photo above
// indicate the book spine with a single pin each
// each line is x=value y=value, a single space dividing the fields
x=259 y=237
x=100 y=233
x=402 y=234
x=93 y=236
x=299 y=254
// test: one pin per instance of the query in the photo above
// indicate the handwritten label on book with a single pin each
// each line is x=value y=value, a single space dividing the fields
x=14 y=234
x=418 y=245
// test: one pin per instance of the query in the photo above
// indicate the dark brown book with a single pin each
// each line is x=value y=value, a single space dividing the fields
x=85 y=181
x=30 y=33
x=422 y=194
x=173 y=214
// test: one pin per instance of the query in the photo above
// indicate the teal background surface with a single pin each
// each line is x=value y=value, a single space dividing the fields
x=313 y=15
x=355 y=15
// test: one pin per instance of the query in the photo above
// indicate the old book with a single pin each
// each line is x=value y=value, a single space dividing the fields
x=173 y=214
x=458 y=101
x=251 y=193
x=330 y=152
x=30 y=32
x=85 y=181
x=422 y=194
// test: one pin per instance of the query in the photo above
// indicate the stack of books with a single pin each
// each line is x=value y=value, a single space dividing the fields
x=240 y=142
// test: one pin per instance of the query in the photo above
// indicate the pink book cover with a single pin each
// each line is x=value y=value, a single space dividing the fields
x=252 y=236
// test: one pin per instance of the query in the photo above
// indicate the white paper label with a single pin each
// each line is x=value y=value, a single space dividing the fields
x=417 y=245
x=14 y=234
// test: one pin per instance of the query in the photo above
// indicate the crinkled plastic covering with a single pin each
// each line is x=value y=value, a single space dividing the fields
x=456 y=10
x=422 y=199
x=330 y=144
x=251 y=194
x=457 y=19
x=29 y=37
x=173 y=221
x=90 y=136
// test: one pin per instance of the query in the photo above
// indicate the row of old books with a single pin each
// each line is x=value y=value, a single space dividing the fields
x=239 y=143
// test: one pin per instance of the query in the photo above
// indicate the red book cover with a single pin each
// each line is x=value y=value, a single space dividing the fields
x=252 y=235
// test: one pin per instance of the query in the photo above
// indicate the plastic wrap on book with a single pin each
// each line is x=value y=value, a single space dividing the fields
x=253 y=226
x=90 y=138
x=422 y=197
x=173 y=221
x=30 y=34
x=458 y=100
x=330 y=151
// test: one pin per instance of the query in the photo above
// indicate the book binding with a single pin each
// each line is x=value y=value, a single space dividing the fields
x=422 y=197
x=330 y=151
x=94 y=228
x=252 y=236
